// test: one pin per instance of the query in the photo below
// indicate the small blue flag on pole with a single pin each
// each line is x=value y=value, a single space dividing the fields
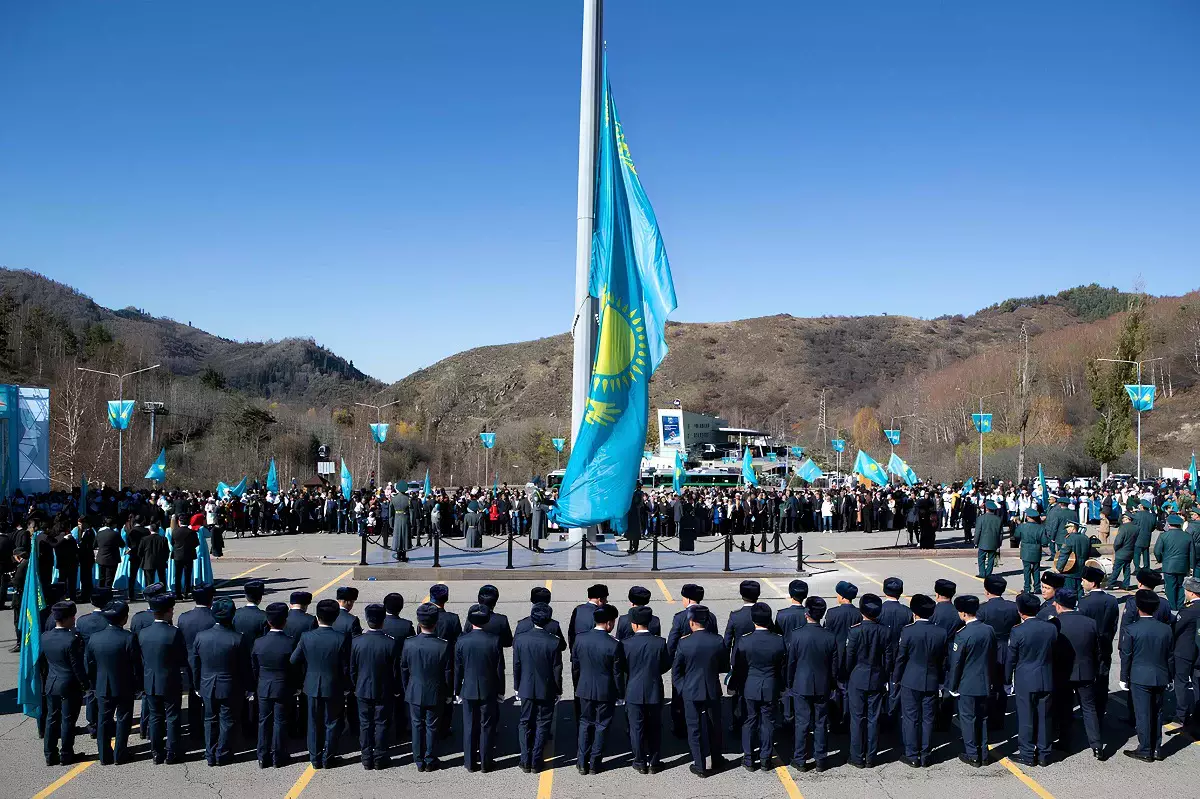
x=496 y=484
x=1193 y=481
x=488 y=439
x=809 y=471
x=898 y=467
x=1045 y=490
x=158 y=469
x=838 y=444
x=797 y=452
x=29 y=677
x=347 y=481
x=379 y=432
x=869 y=468
x=1142 y=397
x=680 y=475
x=982 y=422
x=969 y=485
x=428 y=485
x=893 y=436
x=748 y=474
x=773 y=457
x=559 y=443
x=647 y=455
x=119 y=413
x=272 y=478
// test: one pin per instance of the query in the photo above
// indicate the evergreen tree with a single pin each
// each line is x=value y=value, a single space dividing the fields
x=1109 y=437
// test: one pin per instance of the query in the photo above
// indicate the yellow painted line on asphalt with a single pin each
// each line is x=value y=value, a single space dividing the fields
x=63 y=780
x=285 y=554
x=963 y=573
x=546 y=777
x=1030 y=782
x=782 y=594
x=301 y=783
x=243 y=574
x=1170 y=728
x=864 y=575
x=663 y=587
x=337 y=579
x=549 y=583
x=789 y=784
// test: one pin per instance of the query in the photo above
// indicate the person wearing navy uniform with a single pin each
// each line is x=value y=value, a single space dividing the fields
x=690 y=594
x=1029 y=675
x=497 y=622
x=786 y=620
x=944 y=614
x=1186 y=632
x=537 y=679
x=426 y=676
x=739 y=624
x=838 y=620
x=700 y=659
x=144 y=618
x=972 y=655
x=639 y=597
x=114 y=667
x=274 y=686
x=1104 y=609
x=375 y=675
x=448 y=628
x=164 y=661
x=479 y=685
x=64 y=677
x=1147 y=581
x=1076 y=659
x=581 y=617
x=1001 y=615
x=758 y=664
x=646 y=660
x=540 y=596
x=191 y=623
x=347 y=623
x=221 y=672
x=1147 y=668
x=868 y=665
x=299 y=620
x=323 y=656
x=895 y=616
x=85 y=625
x=251 y=622
x=400 y=630
x=920 y=664
x=598 y=672
x=811 y=676
x=1051 y=582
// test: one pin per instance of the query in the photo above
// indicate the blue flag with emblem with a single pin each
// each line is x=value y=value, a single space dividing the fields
x=969 y=485
x=1045 y=491
x=273 y=478
x=898 y=467
x=809 y=471
x=982 y=422
x=1142 y=397
x=559 y=443
x=379 y=432
x=347 y=481
x=488 y=439
x=749 y=477
x=119 y=413
x=679 y=477
x=428 y=485
x=869 y=468
x=893 y=436
x=158 y=469
x=224 y=490
x=773 y=457
x=29 y=677
x=632 y=280
x=797 y=452
x=838 y=444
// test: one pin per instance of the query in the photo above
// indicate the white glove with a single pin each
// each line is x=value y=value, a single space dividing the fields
x=954 y=693
x=1124 y=687
x=1009 y=690
x=517 y=698
x=620 y=703
x=458 y=700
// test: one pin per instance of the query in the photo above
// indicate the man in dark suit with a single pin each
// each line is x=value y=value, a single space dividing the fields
x=1029 y=676
x=1001 y=615
x=895 y=616
x=375 y=675
x=153 y=553
x=972 y=655
x=448 y=628
x=540 y=595
x=114 y=666
x=497 y=624
x=598 y=672
x=868 y=664
x=323 y=656
x=400 y=630
x=85 y=625
x=739 y=624
x=426 y=675
x=251 y=622
x=221 y=674
x=646 y=660
x=347 y=623
x=581 y=617
x=64 y=677
x=811 y=676
x=1104 y=609
x=690 y=594
x=108 y=551
x=299 y=620
x=838 y=620
x=184 y=543
x=639 y=597
x=758 y=665
x=164 y=660
x=274 y=683
x=1076 y=656
x=700 y=658
x=191 y=623
x=944 y=614
x=87 y=557
x=1185 y=683
x=537 y=680
x=479 y=685
x=920 y=664
x=1147 y=668
x=788 y=619
x=135 y=533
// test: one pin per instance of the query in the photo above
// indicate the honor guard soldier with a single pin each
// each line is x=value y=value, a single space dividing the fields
x=537 y=679
x=700 y=659
x=639 y=597
x=1032 y=536
x=1146 y=522
x=972 y=655
x=1176 y=553
x=541 y=596
x=497 y=624
x=739 y=624
x=274 y=686
x=426 y=675
x=479 y=685
x=838 y=620
x=1076 y=660
x=581 y=617
x=400 y=630
x=1051 y=582
x=1057 y=516
x=868 y=665
x=1104 y=609
x=220 y=669
x=64 y=679
x=191 y=623
x=1123 y=546
x=375 y=675
x=114 y=668
x=323 y=655
x=646 y=660
x=1029 y=675
x=758 y=664
x=811 y=676
x=1073 y=555
x=299 y=620
x=1186 y=682
x=251 y=622
x=895 y=616
x=987 y=538
x=944 y=614
x=1001 y=615
x=920 y=664
x=787 y=620
x=598 y=671
x=164 y=661
x=448 y=628
x=691 y=594
x=1147 y=666
x=85 y=625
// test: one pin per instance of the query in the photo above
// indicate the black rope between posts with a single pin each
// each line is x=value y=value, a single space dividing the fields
x=446 y=543
x=547 y=551
x=614 y=554
x=693 y=554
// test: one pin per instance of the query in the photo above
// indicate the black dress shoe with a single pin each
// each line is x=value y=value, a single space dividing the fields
x=750 y=766
x=699 y=772
x=719 y=764
x=333 y=761
x=420 y=767
x=869 y=763
x=820 y=766
x=970 y=761
x=801 y=767
x=1159 y=756
x=1099 y=754
x=908 y=761
x=1139 y=756
x=582 y=769
x=654 y=768
x=52 y=760
x=1044 y=761
x=1027 y=762
x=856 y=763
x=525 y=768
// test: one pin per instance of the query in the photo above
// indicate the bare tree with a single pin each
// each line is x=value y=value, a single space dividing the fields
x=1024 y=395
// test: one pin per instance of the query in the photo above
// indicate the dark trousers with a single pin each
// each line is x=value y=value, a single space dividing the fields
x=972 y=724
x=183 y=578
x=760 y=718
x=107 y=575
x=645 y=733
x=1173 y=589
x=1101 y=689
x=594 y=718
x=811 y=720
x=1033 y=725
x=536 y=718
x=219 y=718
x=917 y=707
x=272 y=726
x=162 y=713
x=324 y=727
x=865 y=708
x=445 y=717
x=1120 y=567
x=158 y=574
x=703 y=729
x=986 y=562
x=1032 y=573
x=1147 y=713
x=89 y=715
x=61 y=715
x=1064 y=707
x=114 y=720
x=374 y=721
x=423 y=721
x=1185 y=690
x=85 y=582
x=1141 y=558
x=195 y=716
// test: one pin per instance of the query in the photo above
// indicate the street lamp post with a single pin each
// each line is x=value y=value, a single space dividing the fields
x=378 y=456
x=1138 y=364
x=981 y=398
x=120 y=398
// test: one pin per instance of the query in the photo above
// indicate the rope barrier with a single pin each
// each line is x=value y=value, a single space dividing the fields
x=547 y=551
x=446 y=543
x=692 y=554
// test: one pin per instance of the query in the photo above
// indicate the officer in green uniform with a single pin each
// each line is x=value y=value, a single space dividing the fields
x=1176 y=551
x=1078 y=544
x=1032 y=537
x=1057 y=516
x=1146 y=521
x=1123 y=544
x=1193 y=530
x=987 y=538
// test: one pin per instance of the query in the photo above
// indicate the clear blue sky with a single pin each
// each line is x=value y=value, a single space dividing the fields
x=397 y=179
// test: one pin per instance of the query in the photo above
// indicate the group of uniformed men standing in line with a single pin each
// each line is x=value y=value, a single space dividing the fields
x=821 y=666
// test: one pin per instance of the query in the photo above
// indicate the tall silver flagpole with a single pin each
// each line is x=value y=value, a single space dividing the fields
x=585 y=323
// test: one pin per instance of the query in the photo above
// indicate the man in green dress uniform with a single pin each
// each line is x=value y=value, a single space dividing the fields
x=1032 y=537
x=987 y=539
x=1078 y=545
x=1176 y=551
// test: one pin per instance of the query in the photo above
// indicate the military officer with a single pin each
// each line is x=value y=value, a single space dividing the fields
x=581 y=617
x=646 y=660
x=944 y=614
x=868 y=664
x=274 y=685
x=1076 y=660
x=739 y=624
x=375 y=676
x=1147 y=665
x=220 y=671
x=1102 y=608
x=191 y=623
x=347 y=623
x=1032 y=536
x=1001 y=615
x=251 y=622
x=299 y=620
x=1193 y=529
x=1146 y=522
x=758 y=664
x=537 y=679
x=838 y=620
x=479 y=685
x=1051 y=582
x=164 y=661
x=1057 y=516
x=598 y=671
x=987 y=539
x=1147 y=581
x=64 y=677
x=323 y=656
x=920 y=664
x=85 y=625
x=972 y=653
x=691 y=594
x=811 y=677
x=426 y=675
x=1186 y=684
x=540 y=596
x=1029 y=676
x=400 y=630
x=114 y=667
x=639 y=597
x=895 y=615
x=448 y=628
x=1072 y=555
x=1123 y=547
x=700 y=658
x=795 y=615
x=1176 y=552
x=497 y=622
x=144 y=618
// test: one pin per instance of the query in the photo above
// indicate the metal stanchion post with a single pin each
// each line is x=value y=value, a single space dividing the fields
x=437 y=550
x=583 y=542
x=654 y=558
x=510 y=545
x=776 y=541
x=728 y=549
x=799 y=554
x=362 y=557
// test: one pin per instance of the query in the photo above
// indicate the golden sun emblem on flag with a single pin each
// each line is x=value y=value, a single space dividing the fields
x=620 y=356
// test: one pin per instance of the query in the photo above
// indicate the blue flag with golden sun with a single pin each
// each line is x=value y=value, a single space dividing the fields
x=632 y=279
x=869 y=468
x=680 y=475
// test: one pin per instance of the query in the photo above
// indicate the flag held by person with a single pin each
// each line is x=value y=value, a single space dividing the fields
x=29 y=677
x=631 y=278
x=809 y=471
x=680 y=475
x=749 y=476
x=428 y=485
x=1193 y=481
x=1045 y=490
x=273 y=478
x=869 y=468
x=898 y=467
x=158 y=469
x=969 y=485
x=347 y=481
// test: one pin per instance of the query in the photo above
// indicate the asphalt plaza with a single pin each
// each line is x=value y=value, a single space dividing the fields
x=326 y=562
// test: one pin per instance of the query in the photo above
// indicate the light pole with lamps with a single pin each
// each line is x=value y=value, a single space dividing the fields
x=1138 y=364
x=378 y=443
x=121 y=399
x=981 y=398
x=892 y=441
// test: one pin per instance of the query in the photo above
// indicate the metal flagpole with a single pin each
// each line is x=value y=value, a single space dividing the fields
x=585 y=324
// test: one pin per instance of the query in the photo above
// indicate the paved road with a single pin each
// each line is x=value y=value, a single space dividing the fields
x=1078 y=775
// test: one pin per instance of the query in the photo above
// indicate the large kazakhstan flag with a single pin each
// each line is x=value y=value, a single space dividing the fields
x=679 y=477
x=632 y=279
x=869 y=468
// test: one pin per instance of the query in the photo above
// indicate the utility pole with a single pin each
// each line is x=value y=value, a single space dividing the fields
x=153 y=410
